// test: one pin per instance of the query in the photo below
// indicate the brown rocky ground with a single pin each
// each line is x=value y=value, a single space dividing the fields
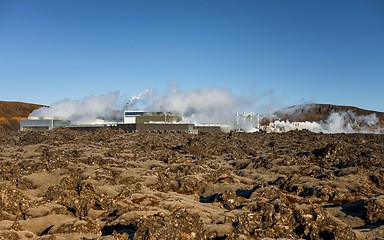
x=68 y=184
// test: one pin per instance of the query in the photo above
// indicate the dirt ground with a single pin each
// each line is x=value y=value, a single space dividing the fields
x=68 y=184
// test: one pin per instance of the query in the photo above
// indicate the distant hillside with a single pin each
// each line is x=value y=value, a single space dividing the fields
x=319 y=112
x=12 y=112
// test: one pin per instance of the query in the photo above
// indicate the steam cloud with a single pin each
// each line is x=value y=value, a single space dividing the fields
x=84 y=111
x=140 y=98
x=343 y=122
x=199 y=106
x=208 y=105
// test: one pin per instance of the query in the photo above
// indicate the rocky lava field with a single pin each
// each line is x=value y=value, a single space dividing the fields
x=106 y=184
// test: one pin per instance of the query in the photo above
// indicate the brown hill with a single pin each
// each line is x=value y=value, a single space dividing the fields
x=320 y=112
x=12 y=112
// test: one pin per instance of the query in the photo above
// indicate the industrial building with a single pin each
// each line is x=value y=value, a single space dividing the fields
x=157 y=127
x=140 y=117
x=42 y=124
x=134 y=121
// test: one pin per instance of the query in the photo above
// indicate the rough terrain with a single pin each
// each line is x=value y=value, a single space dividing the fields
x=68 y=184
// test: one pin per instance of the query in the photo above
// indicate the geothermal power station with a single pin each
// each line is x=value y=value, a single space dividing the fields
x=129 y=120
x=313 y=117
x=139 y=121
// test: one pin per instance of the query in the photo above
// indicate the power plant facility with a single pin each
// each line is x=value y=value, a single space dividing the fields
x=194 y=117
x=96 y=112
x=42 y=124
x=129 y=121
x=134 y=117
x=150 y=122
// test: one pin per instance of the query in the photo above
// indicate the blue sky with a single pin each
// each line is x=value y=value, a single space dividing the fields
x=277 y=53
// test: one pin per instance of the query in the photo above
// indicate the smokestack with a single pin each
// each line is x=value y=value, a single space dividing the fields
x=128 y=106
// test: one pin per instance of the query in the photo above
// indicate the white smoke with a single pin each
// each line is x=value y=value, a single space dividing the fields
x=343 y=122
x=207 y=105
x=138 y=99
x=84 y=111
x=198 y=106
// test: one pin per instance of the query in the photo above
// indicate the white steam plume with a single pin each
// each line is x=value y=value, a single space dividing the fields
x=146 y=92
x=83 y=111
x=343 y=122
x=198 y=106
x=138 y=99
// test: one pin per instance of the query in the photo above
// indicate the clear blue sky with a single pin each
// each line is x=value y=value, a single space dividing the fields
x=286 y=52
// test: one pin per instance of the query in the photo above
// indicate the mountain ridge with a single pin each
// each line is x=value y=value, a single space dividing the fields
x=11 y=112
x=317 y=112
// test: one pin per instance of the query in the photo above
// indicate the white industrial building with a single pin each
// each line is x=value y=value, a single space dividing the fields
x=42 y=124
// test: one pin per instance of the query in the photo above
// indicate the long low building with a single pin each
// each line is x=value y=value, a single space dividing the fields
x=156 y=127
x=42 y=124
x=142 y=127
x=47 y=124
x=146 y=117
x=134 y=121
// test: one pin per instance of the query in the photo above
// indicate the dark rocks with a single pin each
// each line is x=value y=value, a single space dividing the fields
x=178 y=225
x=114 y=185
x=375 y=210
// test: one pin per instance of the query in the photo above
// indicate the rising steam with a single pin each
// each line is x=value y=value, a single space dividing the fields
x=141 y=98
x=199 y=106
x=338 y=122
x=207 y=105
x=85 y=111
